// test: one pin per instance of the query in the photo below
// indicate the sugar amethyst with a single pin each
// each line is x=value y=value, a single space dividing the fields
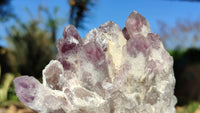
x=109 y=71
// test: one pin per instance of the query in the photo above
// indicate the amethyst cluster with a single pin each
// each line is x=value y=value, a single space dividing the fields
x=109 y=71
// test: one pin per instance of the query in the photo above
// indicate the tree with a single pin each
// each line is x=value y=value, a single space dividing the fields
x=78 y=11
x=183 y=35
x=53 y=21
x=5 y=10
x=31 y=48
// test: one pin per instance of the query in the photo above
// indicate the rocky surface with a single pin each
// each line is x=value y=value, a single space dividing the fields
x=110 y=71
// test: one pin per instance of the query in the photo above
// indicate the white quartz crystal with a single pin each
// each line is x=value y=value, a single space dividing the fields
x=110 y=71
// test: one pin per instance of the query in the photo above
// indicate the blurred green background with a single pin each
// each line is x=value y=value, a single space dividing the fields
x=28 y=44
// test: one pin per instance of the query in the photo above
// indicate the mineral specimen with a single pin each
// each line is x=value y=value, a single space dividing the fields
x=109 y=71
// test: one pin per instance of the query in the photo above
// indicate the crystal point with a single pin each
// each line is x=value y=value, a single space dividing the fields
x=26 y=89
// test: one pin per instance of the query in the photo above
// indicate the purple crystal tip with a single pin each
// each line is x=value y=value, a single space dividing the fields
x=26 y=88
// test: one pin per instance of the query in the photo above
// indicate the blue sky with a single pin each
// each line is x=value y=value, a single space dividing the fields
x=115 y=10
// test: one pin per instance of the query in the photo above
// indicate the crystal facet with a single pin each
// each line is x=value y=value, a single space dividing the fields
x=110 y=71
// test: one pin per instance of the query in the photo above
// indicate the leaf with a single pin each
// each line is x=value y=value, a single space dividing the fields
x=6 y=85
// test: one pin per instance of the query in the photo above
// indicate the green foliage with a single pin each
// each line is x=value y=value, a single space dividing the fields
x=32 y=48
x=190 y=108
x=177 y=53
x=7 y=91
x=5 y=86
x=187 y=73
